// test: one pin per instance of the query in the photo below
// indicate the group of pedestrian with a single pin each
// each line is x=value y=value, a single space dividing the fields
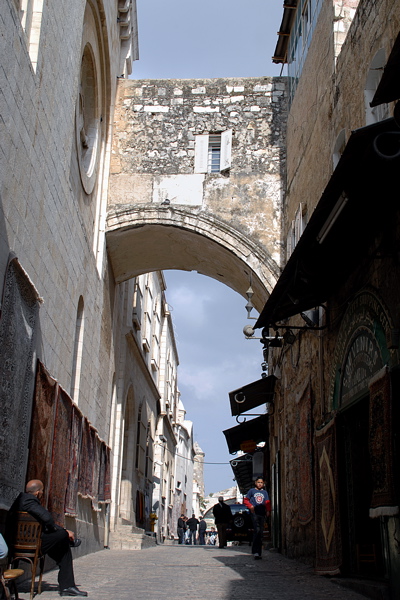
x=190 y=531
x=256 y=500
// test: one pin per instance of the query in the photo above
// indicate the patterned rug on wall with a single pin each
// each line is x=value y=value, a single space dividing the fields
x=65 y=451
x=383 y=502
x=18 y=323
x=43 y=414
x=328 y=537
x=85 y=483
x=60 y=457
x=305 y=460
x=71 y=498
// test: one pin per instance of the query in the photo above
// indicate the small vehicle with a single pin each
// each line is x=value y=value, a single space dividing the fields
x=241 y=529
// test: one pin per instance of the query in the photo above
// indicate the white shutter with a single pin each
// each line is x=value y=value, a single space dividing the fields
x=298 y=227
x=201 y=153
x=290 y=242
x=226 y=149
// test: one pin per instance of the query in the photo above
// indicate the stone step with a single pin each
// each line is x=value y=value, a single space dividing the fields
x=129 y=537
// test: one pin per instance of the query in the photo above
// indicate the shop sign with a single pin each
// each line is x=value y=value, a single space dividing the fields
x=248 y=446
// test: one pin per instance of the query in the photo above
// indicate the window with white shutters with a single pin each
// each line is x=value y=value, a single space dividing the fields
x=296 y=229
x=213 y=152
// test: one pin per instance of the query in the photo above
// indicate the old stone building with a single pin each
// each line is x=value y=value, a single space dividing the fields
x=335 y=428
x=89 y=394
x=88 y=365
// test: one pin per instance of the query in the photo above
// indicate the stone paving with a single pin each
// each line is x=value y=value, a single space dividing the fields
x=194 y=573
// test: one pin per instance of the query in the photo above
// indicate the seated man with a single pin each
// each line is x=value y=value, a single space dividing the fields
x=56 y=541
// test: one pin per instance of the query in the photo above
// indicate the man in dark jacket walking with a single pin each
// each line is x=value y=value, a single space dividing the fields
x=223 y=518
x=202 y=531
x=181 y=529
x=56 y=541
x=192 y=525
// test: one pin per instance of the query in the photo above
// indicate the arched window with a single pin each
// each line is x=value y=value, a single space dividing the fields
x=78 y=351
x=378 y=113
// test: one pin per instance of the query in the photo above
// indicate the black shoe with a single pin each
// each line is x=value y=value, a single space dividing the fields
x=72 y=591
x=257 y=557
x=74 y=544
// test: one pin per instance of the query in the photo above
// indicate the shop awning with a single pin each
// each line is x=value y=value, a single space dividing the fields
x=360 y=201
x=242 y=468
x=388 y=89
x=255 y=431
x=289 y=12
x=251 y=395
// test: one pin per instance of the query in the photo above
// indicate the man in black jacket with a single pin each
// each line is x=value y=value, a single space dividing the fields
x=56 y=541
x=192 y=524
x=181 y=529
x=223 y=518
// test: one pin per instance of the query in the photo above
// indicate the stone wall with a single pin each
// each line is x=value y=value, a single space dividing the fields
x=47 y=216
x=157 y=122
x=329 y=99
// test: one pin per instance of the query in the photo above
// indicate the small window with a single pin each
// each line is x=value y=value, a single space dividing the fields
x=380 y=112
x=213 y=152
x=296 y=229
x=30 y=14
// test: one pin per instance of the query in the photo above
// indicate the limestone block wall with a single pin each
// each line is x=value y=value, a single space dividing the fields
x=330 y=96
x=47 y=216
x=154 y=152
x=328 y=100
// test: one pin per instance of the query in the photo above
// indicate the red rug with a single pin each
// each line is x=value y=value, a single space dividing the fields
x=85 y=484
x=96 y=473
x=71 y=497
x=60 y=457
x=383 y=502
x=41 y=438
x=305 y=460
x=328 y=538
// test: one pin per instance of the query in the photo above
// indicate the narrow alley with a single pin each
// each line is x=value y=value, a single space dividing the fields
x=195 y=573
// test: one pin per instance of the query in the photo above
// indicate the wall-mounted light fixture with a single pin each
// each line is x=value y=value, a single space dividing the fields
x=249 y=305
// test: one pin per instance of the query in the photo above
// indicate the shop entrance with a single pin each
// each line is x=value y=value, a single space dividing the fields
x=361 y=535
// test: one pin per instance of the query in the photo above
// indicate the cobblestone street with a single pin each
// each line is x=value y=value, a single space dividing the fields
x=195 y=573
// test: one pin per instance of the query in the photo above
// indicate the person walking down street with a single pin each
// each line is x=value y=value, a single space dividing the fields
x=257 y=500
x=56 y=541
x=192 y=525
x=202 y=531
x=181 y=529
x=223 y=518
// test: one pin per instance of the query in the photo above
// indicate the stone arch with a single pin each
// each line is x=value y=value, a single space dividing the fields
x=146 y=238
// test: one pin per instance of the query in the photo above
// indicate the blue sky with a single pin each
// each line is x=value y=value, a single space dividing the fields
x=184 y=39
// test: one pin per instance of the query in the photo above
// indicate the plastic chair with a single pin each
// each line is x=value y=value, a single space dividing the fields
x=26 y=545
